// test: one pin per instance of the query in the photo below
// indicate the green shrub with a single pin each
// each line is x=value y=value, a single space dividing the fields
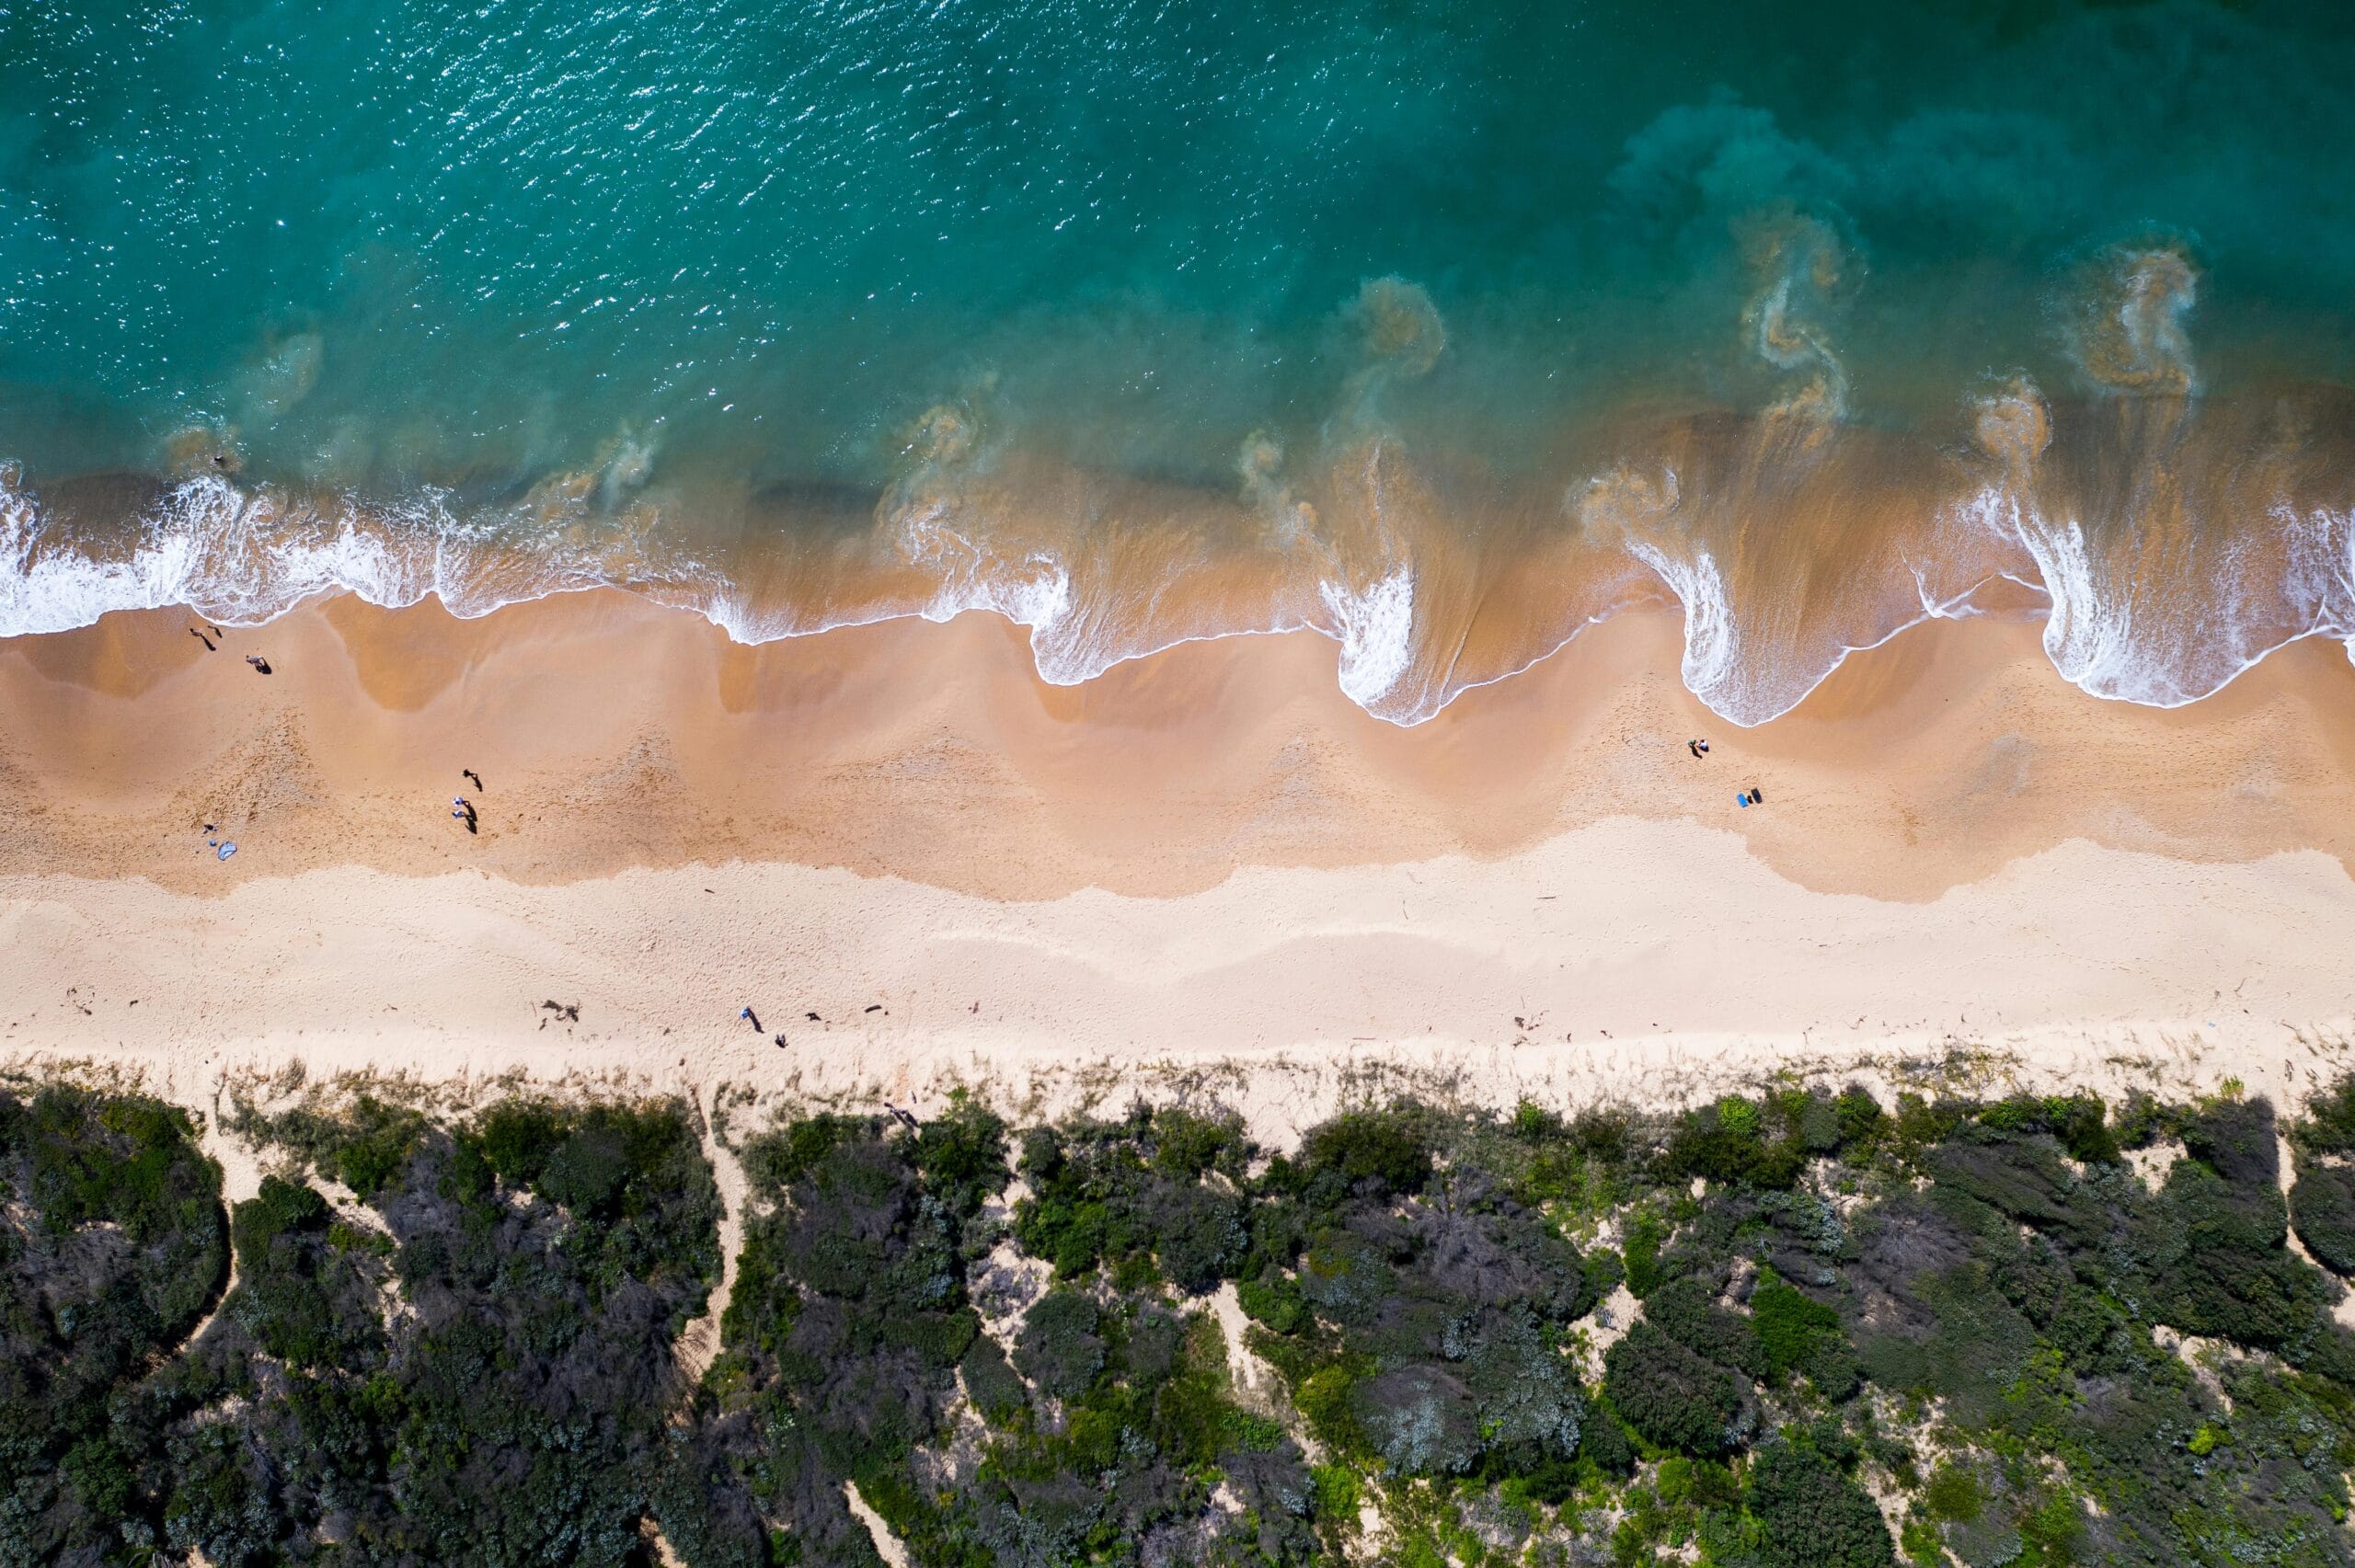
x=1952 y=1493
x=1793 y=1329
x=961 y=1154
x=996 y=1393
x=1199 y=1236
x=1059 y=1350
x=1384 y=1145
x=1604 y=1441
x=775 y=1161
x=1646 y=1233
x=1672 y=1396
x=2329 y=1124
x=1186 y=1145
x=1731 y=1142
x=516 y=1138
x=2321 y=1207
x=1813 y=1516
x=1275 y=1302
x=1685 y=1311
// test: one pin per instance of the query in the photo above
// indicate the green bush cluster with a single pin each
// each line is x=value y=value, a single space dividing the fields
x=509 y=1411
x=112 y=1245
x=474 y=1364
x=1157 y=1193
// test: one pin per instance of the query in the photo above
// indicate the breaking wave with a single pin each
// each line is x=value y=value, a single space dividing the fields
x=2169 y=539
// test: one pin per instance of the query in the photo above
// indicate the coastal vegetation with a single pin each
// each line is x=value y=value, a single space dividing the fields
x=1793 y=1327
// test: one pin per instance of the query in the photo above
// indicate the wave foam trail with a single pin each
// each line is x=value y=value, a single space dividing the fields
x=2115 y=632
x=1712 y=641
x=242 y=558
x=48 y=589
x=1376 y=629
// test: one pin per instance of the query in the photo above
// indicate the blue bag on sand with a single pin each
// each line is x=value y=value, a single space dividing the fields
x=1742 y=799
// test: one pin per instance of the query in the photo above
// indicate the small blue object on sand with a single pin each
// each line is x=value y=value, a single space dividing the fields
x=226 y=850
x=1742 y=799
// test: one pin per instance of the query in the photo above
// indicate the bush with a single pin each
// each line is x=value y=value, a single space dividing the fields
x=1059 y=1350
x=1275 y=1302
x=1731 y=1142
x=1604 y=1441
x=996 y=1393
x=1794 y=1330
x=1383 y=1146
x=516 y=1137
x=2321 y=1207
x=1186 y=1145
x=1421 y=1419
x=2329 y=1124
x=961 y=1154
x=1200 y=1237
x=1813 y=1516
x=1684 y=1311
x=1674 y=1397
x=1646 y=1233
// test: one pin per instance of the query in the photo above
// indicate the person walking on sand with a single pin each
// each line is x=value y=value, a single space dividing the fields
x=470 y=774
x=749 y=1016
x=260 y=664
x=463 y=810
x=200 y=636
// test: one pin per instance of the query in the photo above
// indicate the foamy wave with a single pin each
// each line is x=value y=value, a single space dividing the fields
x=1376 y=627
x=2173 y=606
x=241 y=558
x=44 y=590
x=2117 y=625
x=2111 y=634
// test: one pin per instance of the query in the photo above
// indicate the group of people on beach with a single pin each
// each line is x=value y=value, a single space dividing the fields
x=1754 y=795
x=463 y=809
x=212 y=645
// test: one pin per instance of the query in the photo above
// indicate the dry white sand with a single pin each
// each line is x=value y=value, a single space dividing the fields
x=1631 y=961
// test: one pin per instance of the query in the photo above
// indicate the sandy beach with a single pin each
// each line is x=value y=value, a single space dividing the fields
x=1206 y=866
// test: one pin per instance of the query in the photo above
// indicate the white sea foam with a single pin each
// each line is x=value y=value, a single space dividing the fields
x=243 y=558
x=1712 y=641
x=1375 y=626
x=2112 y=633
x=44 y=588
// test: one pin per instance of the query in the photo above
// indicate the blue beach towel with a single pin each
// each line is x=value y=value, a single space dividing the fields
x=1742 y=799
x=226 y=851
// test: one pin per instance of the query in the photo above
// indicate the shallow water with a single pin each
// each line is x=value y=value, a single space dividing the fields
x=1443 y=330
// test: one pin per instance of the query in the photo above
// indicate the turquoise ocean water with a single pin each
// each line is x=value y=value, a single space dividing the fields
x=1444 y=329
